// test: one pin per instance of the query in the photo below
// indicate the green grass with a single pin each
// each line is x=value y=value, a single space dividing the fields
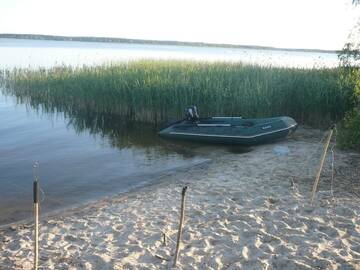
x=156 y=91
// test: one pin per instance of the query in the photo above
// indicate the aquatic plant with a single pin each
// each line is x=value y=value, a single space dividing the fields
x=157 y=91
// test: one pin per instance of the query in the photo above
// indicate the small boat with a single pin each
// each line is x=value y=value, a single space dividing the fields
x=229 y=130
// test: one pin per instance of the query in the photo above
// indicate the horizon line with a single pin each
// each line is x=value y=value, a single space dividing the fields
x=153 y=42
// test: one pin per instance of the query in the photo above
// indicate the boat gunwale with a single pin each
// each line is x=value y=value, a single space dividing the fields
x=233 y=136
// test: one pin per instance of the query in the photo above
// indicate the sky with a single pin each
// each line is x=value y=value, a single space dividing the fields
x=310 y=24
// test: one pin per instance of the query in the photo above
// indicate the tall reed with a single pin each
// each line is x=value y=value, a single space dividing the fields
x=155 y=91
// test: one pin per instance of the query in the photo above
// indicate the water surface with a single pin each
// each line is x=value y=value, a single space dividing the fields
x=47 y=53
x=80 y=159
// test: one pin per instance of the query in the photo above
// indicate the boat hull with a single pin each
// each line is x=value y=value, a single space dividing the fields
x=231 y=130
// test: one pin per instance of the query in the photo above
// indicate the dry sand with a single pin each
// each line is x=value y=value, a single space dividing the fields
x=243 y=211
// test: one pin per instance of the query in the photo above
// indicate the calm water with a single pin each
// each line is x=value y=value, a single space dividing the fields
x=35 y=53
x=89 y=155
x=78 y=162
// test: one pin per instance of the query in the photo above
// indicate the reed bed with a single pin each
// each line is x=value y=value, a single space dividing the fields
x=156 y=91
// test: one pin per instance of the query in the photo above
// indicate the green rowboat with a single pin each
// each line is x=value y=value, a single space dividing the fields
x=231 y=130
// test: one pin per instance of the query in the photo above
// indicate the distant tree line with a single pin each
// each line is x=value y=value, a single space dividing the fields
x=153 y=42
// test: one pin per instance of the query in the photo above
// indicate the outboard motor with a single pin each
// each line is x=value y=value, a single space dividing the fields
x=191 y=114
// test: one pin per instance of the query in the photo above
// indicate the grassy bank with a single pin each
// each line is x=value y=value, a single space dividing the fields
x=156 y=91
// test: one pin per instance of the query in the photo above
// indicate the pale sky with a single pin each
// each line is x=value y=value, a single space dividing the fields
x=320 y=24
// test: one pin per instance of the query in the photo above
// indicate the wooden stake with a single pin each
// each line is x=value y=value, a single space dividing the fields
x=317 y=178
x=180 y=225
x=36 y=218
x=164 y=239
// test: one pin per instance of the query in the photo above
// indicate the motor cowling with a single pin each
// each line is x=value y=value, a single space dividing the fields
x=191 y=114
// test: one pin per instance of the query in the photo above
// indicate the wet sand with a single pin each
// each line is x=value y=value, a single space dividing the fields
x=243 y=211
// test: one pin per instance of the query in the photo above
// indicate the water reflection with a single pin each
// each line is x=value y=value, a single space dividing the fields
x=122 y=133
x=83 y=156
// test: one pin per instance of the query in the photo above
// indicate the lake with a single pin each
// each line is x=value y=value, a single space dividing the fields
x=86 y=157
x=44 y=53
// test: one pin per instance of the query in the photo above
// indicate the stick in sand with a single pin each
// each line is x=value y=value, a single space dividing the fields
x=164 y=239
x=317 y=178
x=180 y=225
x=36 y=217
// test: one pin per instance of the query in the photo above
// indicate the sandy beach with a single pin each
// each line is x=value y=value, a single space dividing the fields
x=243 y=211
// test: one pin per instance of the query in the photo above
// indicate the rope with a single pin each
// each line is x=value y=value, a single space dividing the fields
x=315 y=153
x=322 y=160
x=332 y=165
x=36 y=177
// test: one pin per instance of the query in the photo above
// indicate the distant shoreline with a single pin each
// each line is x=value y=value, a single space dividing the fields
x=154 y=42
